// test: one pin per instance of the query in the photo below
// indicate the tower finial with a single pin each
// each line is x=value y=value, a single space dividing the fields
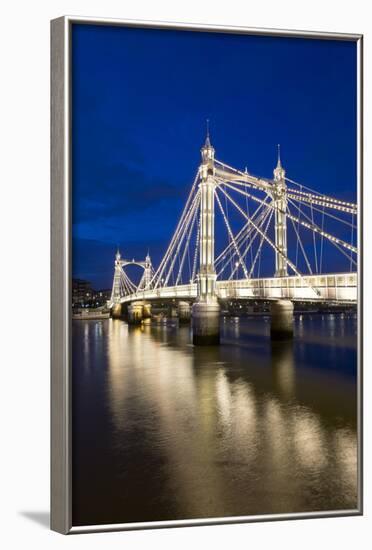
x=207 y=140
x=279 y=172
x=279 y=165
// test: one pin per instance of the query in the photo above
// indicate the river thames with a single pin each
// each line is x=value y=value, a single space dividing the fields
x=163 y=430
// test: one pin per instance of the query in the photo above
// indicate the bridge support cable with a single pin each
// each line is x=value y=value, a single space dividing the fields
x=190 y=198
x=297 y=202
x=248 y=233
x=316 y=197
x=182 y=236
x=231 y=235
x=187 y=244
x=270 y=213
x=172 y=246
x=319 y=202
x=298 y=231
x=257 y=228
x=129 y=286
x=266 y=217
x=196 y=252
x=352 y=239
x=299 y=242
x=126 y=285
x=272 y=245
x=242 y=234
x=322 y=242
x=145 y=282
x=322 y=210
x=311 y=226
x=231 y=244
x=316 y=229
x=250 y=247
x=330 y=238
x=179 y=233
x=314 y=240
x=244 y=178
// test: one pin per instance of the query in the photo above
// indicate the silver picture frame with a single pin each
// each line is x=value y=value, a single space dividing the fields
x=61 y=185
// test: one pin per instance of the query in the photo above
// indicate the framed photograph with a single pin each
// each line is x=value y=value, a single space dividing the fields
x=206 y=274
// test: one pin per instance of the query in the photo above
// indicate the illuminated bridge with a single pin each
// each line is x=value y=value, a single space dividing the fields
x=233 y=226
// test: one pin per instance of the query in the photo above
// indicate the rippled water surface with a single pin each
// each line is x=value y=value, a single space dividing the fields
x=165 y=430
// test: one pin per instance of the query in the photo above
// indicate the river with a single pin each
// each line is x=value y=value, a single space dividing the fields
x=163 y=430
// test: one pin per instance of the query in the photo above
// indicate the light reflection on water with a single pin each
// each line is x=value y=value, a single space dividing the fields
x=164 y=430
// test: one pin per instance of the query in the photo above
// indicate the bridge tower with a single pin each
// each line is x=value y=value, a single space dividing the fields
x=280 y=207
x=282 y=310
x=206 y=309
x=147 y=273
x=115 y=295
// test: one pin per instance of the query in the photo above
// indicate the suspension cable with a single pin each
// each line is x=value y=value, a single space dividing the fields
x=260 y=219
x=299 y=241
x=158 y=272
x=188 y=240
x=333 y=240
x=258 y=253
x=269 y=241
x=232 y=237
x=312 y=227
x=181 y=239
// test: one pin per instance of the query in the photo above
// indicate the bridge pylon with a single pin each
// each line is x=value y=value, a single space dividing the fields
x=147 y=273
x=206 y=309
x=280 y=207
x=116 y=309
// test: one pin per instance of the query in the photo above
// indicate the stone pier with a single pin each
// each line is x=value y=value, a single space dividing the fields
x=206 y=323
x=146 y=313
x=116 y=311
x=281 y=320
x=135 y=313
x=184 y=313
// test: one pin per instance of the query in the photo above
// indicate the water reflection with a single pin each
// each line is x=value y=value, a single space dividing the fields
x=165 y=430
x=283 y=368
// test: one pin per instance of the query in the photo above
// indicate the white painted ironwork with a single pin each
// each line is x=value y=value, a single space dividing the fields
x=180 y=276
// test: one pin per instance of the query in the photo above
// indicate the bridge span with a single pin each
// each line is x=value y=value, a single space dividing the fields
x=241 y=215
x=337 y=288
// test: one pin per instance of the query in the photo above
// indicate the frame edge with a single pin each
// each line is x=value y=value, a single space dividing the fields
x=61 y=519
x=60 y=513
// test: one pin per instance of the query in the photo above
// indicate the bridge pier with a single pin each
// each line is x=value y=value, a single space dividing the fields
x=184 y=312
x=206 y=323
x=172 y=311
x=206 y=309
x=281 y=320
x=135 y=313
x=116 y=311
x=146 y=312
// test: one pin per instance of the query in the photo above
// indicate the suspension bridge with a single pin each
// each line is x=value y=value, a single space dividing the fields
x=234 y=225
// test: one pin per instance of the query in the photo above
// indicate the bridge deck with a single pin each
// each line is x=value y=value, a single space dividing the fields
x=334 y=287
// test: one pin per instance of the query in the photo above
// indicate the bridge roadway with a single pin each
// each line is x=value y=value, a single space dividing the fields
x=340 y=288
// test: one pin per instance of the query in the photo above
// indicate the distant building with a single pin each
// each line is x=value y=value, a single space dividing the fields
x=83 y=295
x=100 y=297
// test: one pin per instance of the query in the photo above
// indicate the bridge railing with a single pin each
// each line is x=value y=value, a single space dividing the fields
x=340 y=287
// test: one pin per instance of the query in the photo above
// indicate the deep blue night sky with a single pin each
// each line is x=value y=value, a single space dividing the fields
x=140 y=102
